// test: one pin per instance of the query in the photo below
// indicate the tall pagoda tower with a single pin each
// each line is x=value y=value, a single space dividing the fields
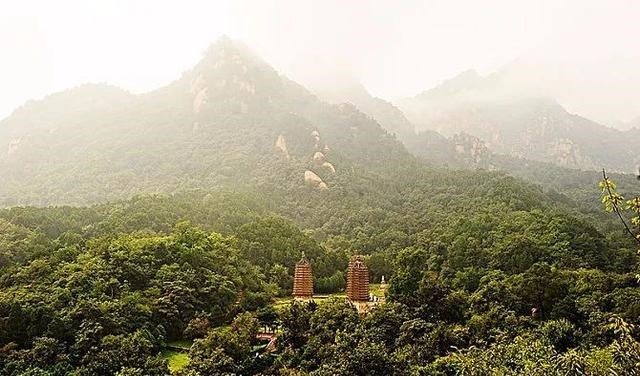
x=358 y=280
x=303 y=279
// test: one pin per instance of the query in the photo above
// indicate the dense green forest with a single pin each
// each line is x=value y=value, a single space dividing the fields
x=464 y=152
x=190 y=205
x=487 y=274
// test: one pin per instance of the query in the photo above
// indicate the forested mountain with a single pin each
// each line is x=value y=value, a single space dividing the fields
x=466 y=152
x=230 y=120
x=349 y=90
x=463 y=150
x=521 y=123
x=206 y=192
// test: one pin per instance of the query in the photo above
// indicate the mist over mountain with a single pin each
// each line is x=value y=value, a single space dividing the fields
x=516 y=119
x=171 y=233
x=635 y=123
x=230 y=119
x=340 y=87
x=602 y=90
x=233 y=120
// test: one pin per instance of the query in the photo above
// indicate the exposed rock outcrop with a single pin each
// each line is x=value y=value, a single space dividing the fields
x=319 y=158
x=13 y=145
x=201 y=99
x=281 y=145
x=470 y=146
x=565 y=152
x=329 y=167
x=312 y=179
x=197 y=84
x=316 y=137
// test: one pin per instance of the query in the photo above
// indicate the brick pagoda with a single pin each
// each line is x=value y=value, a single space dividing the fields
x=358 y=280
x=303 y=279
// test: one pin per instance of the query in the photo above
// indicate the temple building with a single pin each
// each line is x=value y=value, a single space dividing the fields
x=303 y=279
x=358 y=280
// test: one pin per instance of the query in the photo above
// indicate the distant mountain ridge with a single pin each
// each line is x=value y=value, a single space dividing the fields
x=349 y=90
x=234 y=121
x=520 y=124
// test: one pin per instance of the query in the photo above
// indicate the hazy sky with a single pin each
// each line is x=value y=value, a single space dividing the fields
x=396 y=48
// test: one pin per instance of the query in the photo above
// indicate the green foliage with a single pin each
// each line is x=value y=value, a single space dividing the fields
x=176 y=360
x=226 y=350
x=488 y=274
x=91 y=278
x=151 y=286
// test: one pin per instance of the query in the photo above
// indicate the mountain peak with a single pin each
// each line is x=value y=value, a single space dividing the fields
x=231 y=49
x=225 y=42
x=231 y=77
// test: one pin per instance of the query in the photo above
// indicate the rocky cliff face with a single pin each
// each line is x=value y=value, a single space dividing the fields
x=470 y=147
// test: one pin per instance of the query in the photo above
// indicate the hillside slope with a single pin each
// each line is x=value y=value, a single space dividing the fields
x=231 y=120
x=521 y=123
x=349 y=90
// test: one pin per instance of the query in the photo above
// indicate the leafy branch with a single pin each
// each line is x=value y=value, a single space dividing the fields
x=615 y=202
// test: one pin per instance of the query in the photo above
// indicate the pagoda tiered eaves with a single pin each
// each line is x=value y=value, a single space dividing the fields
x=358 y=280
x=303 y=279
